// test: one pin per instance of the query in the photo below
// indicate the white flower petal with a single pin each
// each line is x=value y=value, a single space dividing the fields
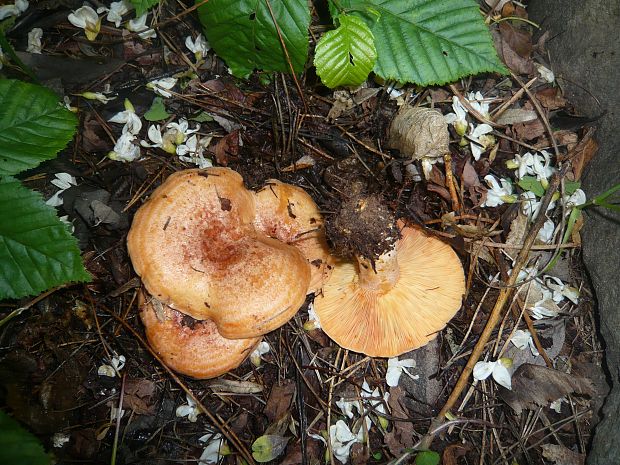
x=482 y=370
x=501 y=375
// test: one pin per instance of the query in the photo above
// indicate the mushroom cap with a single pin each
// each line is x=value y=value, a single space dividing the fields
x=386 y=321
x=287 y=213
x=195 y=247
x=193 y=348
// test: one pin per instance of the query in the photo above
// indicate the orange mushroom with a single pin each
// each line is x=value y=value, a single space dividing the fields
x=196 y=248
x=397 y=305
x=289 y=214
x=193 y=348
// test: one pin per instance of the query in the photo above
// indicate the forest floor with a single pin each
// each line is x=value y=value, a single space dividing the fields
x=325 y=142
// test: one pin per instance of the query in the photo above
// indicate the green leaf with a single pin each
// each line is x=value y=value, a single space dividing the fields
x=18 y=446
x=142 y=6
x=571 y=186
x=34 y=126
x=37 y=251
x=346 y=55
x=530 y=183
x=243 y=33
x=268 y=447
x=428 y=41
x=427 y=457
x=202 y=117
x=157 y=112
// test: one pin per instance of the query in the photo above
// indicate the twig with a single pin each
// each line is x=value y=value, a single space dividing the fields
x=447 y=159
x=494 y=317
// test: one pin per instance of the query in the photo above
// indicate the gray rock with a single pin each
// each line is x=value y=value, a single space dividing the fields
x=585 y=55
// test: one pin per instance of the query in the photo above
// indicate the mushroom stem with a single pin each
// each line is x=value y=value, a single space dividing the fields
x=383 y=276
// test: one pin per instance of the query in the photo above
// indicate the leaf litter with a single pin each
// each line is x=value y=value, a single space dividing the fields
x=289 y=401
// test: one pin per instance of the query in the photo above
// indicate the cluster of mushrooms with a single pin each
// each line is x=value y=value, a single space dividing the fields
x=223 y=265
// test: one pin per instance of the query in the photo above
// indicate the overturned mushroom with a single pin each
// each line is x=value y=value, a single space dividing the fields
x=195 y=246
x=396 y=304
x=191 y=347
x=289 y=214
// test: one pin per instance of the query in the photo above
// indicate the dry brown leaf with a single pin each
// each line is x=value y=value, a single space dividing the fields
x=518 y=231
x=516 y=115
x=235 y=387
x=226 y=147
x=512 y=58
x=561 y=455
x=403 y=434
x=279 y=402
x=140 y=396
x=551 y=98
x=583 y=153
x=469 y=176
x=530 y=130
x=452 y=453
x=536 y=386
x=342 y=103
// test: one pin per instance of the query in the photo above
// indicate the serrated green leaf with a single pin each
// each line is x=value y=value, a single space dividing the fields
x=34 y=126
x=268 y=447
x=37 y=251
x=243 y=33
x=157 y=112
x=428 y=41
x=18 y=446
x=346 y=55
x=427 y=457
x=142 y=6
x=530 y=183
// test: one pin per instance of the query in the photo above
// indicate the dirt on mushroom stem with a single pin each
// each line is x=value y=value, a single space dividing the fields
x=363 y=227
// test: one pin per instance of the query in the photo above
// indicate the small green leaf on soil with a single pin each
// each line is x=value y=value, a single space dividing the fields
x=427 y=457
x=530 y=183
x=18 y=445
x=157 y=112
x=37 y=252
x=268 y=447
x=142 y=6
x=571 y=186
x=202 y=117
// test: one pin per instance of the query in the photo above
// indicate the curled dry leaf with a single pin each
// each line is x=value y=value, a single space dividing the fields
x=235 y=387
x=536 y=386
x=279 y=402
x=561 y=455
x=419 y=133
x=402 y=435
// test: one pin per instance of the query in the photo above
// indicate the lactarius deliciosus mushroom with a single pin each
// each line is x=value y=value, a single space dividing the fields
x=289 y=214
x=396 y=304
x=195 y=246
x=194 y=348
